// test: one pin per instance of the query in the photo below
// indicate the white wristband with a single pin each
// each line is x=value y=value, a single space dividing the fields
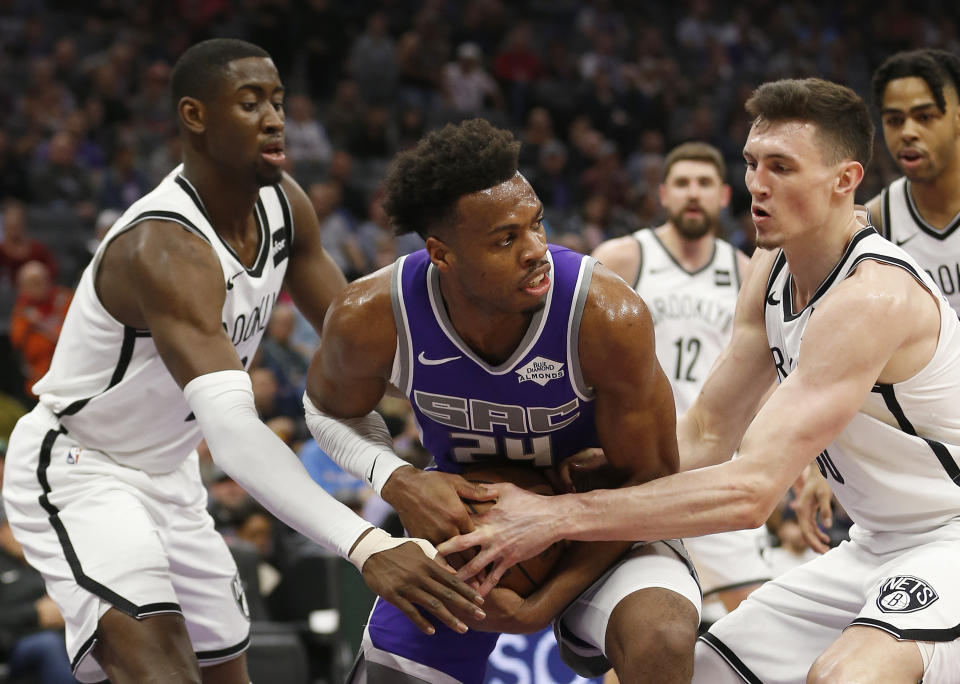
x=377 y=540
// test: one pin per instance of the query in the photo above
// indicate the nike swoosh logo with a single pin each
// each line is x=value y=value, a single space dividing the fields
x=436 y=362
x=900 y=243
x=771 y=301
x=662 y=269
x=230 y=280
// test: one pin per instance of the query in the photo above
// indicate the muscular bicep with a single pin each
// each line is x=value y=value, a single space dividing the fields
x=634 y=408
x=175 y=282
x=312 y=278
x=350 y=370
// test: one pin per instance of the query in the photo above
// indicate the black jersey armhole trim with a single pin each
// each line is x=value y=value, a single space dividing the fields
x=70 y=554
x=223 y=653
x=922 y=224
x=889 y=394
x=130 y=336
x=778 y=265
x=885 y=212
x=946 y=634
x=286 y=211
x=636 y=280
x=730 y=657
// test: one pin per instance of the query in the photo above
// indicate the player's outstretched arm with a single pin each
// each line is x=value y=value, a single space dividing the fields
x=348 y=376
x=847 y=347
x=151 y=279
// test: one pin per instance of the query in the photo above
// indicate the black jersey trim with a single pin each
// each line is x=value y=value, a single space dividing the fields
x=946 y=634
x=730 y=657
x=262 y=228
x=224 y=653
x=713 y=256
x=636 y=279
x=778 y=263
x=889 y=394
x=922 y=224
x=162 y=215
x=130 y=336
x=885 y=212
x=194 y=196
x=891 y=261
x=788 y=312
x=85 y=648
x=286 y=211
x=70 y=554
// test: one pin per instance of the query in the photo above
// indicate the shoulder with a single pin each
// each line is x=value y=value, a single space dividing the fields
x=361 y=315
x=620 y=255
x=300 y=204
x=614 y=312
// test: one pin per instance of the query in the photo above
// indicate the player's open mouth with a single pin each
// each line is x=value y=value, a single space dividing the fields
x=910 y=157
x=538 y=284
x=759 y=213
x=274 y=153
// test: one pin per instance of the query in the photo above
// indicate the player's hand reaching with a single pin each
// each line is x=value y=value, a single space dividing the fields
x=406 y=577
x=429 y=502
x=518 y=527
x=510 y=613
x=813 y=495
x=588 y=470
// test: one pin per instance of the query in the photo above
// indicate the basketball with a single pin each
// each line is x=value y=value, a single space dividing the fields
x=526 y=576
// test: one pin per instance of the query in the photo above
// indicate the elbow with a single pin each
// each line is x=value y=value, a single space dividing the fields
x=758 y=500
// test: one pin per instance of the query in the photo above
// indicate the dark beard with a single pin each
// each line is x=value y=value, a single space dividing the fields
x=692 y=229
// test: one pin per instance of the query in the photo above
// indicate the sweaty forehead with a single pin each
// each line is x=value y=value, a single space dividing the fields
x=256 y=71
x=506 y=202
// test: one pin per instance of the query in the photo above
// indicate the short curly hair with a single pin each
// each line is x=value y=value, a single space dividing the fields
x=424 y=184
x=938 y=68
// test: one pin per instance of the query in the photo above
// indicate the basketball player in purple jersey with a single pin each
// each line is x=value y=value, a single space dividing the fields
x=512 y=351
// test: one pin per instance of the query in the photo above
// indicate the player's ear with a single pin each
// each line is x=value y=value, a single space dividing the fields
x=192 y=114
x=849 y=176
x=439 y=253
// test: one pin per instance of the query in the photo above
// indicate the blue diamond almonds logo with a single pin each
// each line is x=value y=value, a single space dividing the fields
x=540 y=371
x=905 y=594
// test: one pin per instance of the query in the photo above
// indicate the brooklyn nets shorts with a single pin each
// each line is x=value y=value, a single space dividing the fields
x=107 y=536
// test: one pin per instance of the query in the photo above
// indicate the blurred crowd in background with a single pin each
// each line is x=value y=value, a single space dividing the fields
x=598 y=91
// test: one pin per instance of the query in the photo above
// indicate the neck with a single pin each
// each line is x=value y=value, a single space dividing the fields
x=812 y=256
x=229 y=203
x=692 y=254
x=493 y=335
x=938 y=200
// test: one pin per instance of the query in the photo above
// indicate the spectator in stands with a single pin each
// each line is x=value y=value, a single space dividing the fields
x=518 y=67
x=336 y=226
x=373 y=137
x=13 y=172
x=554 y=185
x=467 y=87
x=16 y=247
x=37 y=318
x=59 y=181
x=343 y=112
x=307 y=143
x=372 y=61
x=279 y=353
x=381 y=247
x=123 y=183
x=31 y=627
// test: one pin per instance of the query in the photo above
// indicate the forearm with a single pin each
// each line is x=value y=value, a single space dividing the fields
x=261 y=463
x=581 y=565
x=700 y=447
x=361 y=446
x=689 y=504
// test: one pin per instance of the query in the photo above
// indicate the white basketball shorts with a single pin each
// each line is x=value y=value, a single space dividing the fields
x=107 y=536
x=729 y=560
x=776 y=634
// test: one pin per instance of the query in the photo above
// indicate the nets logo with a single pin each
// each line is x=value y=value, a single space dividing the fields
x=540 y=371
x=240 y=596
x=905 y=594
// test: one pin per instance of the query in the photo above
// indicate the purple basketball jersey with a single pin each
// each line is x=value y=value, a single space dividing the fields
x=533 y=409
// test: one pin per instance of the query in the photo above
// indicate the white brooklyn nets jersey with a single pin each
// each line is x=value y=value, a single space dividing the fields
x=937 y=251
x=894 y=468
x=107 y=384
x=692 y=311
